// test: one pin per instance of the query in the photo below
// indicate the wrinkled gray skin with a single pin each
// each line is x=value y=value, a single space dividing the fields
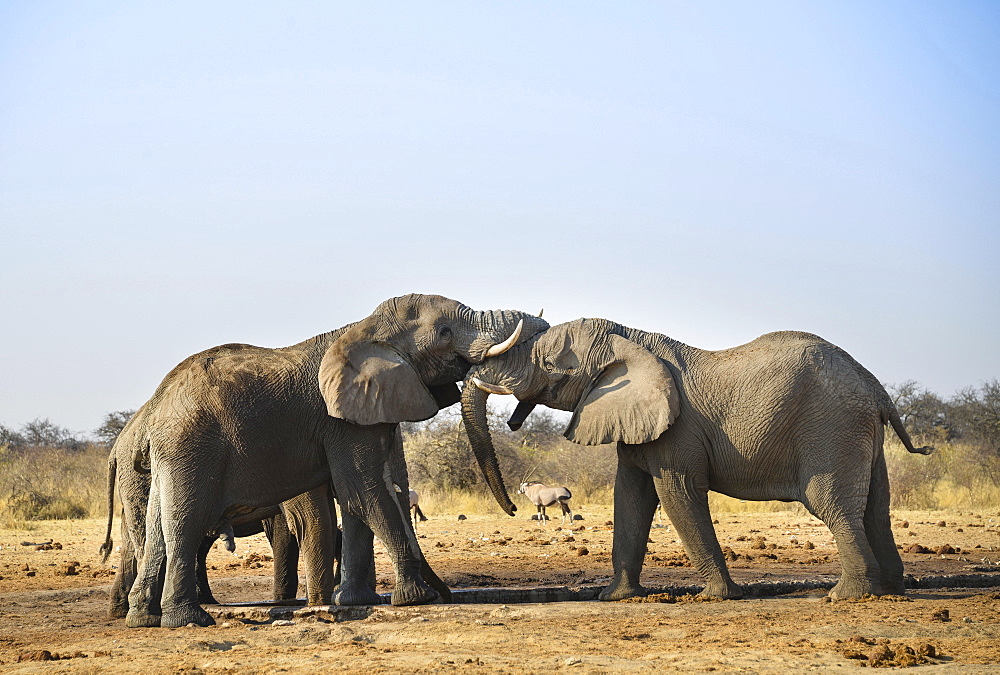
x=306 y=523
x=786 y=417
x=238 y=427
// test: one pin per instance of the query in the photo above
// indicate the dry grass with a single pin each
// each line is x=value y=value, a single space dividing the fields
x=56 y=483
x=51 y=483
x=955 y=476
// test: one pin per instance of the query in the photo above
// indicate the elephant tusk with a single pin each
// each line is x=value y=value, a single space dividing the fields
x=491 y=388
x=498 y=349
x=540 y=312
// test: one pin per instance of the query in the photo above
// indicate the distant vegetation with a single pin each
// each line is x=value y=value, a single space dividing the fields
x=48 y=472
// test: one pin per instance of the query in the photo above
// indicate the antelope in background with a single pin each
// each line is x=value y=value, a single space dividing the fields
x=415 y=512
x=542 y=496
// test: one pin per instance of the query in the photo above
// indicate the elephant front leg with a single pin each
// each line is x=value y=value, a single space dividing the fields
x=363 y=482
x=687 y=509
x=390 y=526
x=635 y=501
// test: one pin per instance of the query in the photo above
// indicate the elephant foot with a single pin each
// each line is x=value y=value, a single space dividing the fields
x=622 y=588
x=118 y=610
x=207 y=599
x=895 y=586
x=849 y=588
x=136 y=619
x=319 y=600
x=176 y=617
x=356 y=596
x=413 y=593
x=721 y=590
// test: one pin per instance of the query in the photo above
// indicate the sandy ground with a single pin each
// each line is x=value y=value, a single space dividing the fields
x=54 y=593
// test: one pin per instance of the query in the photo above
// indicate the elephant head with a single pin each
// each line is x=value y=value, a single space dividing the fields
x=401 y=363
x=616 y=389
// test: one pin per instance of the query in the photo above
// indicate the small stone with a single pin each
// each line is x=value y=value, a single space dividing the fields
x=572 y=661
x=282 y=622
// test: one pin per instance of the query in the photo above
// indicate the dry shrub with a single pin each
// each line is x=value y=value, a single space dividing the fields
x=442 y=466
x=956 y=475
x=52 y=483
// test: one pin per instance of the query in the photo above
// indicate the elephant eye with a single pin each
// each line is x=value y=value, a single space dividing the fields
x=444 y=332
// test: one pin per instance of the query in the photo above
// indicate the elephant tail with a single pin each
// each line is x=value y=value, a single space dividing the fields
x=105 y=549
x=904 y=436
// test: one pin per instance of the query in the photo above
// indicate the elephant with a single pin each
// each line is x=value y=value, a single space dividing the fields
x=788 y=416
x=239 y=427
x=307 y=522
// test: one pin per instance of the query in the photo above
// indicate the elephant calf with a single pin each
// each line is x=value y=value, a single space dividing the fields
x=787 y=417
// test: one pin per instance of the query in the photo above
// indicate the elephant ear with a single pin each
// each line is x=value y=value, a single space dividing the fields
x=633 y=399
x=369 y=382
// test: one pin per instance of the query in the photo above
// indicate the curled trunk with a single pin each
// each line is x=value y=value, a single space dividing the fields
x=477 y=426
x=495 y=328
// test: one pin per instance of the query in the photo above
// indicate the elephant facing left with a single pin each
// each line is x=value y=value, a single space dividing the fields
x=239 y=427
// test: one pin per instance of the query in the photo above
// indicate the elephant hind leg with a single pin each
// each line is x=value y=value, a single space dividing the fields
x=201 y=569
x=185 y=516
x=147 y=588
x=124 y=578
x=845 y=516
x=878 y=528
x=285 y=550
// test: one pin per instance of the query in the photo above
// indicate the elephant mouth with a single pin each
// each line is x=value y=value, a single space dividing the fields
x=456 y=370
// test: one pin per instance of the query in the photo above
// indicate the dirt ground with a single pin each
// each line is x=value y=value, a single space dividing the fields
x=54 y=593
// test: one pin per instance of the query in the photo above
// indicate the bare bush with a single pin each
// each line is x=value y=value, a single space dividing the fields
x=440 y=457
x=53 y=483
x=112 y=425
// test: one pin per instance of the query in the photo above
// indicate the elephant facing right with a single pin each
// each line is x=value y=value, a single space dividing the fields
x=788 y=416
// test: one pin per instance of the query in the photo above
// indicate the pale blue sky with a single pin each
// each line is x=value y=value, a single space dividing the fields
x=179 y=175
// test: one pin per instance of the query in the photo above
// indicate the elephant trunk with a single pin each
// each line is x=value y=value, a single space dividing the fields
x=477 y=426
